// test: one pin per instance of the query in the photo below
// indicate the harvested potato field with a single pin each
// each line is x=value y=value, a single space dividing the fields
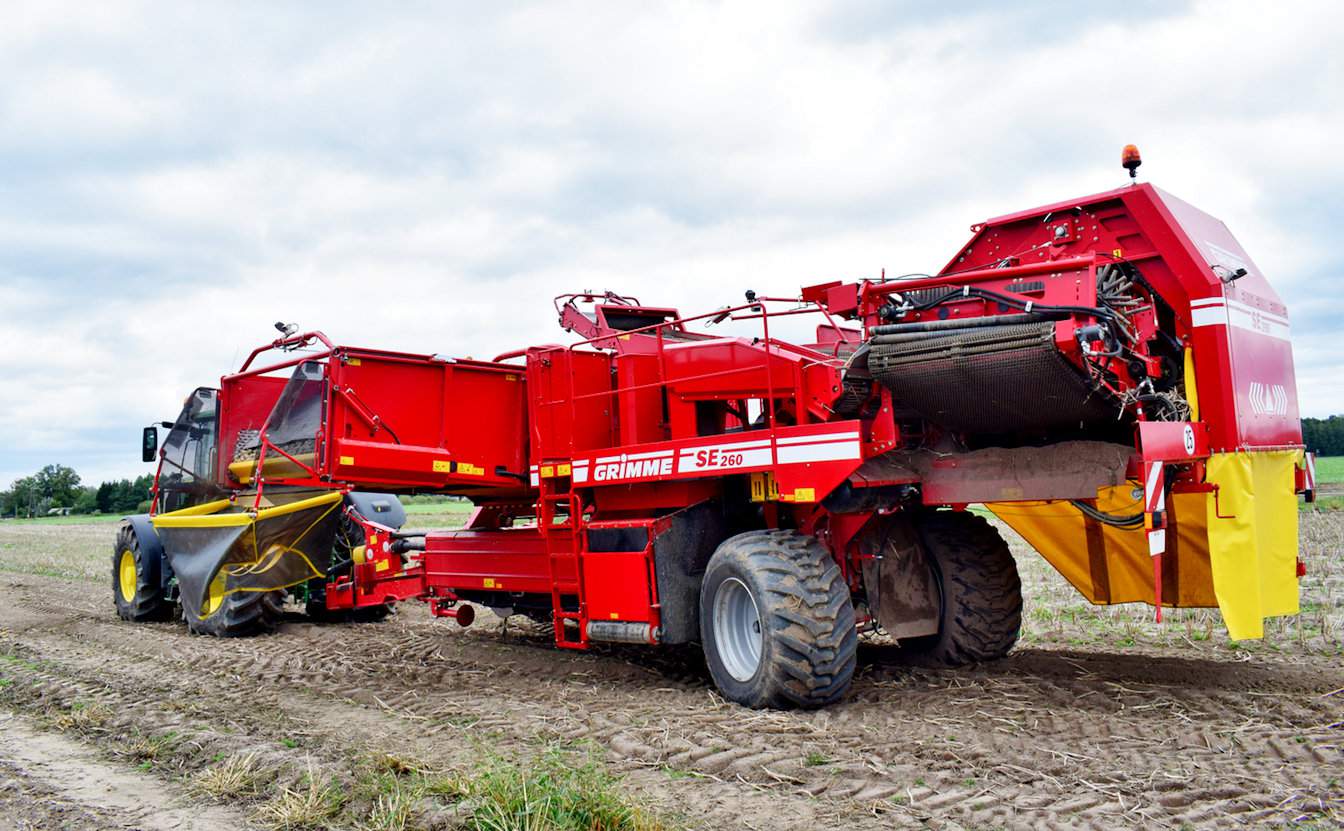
x=1099 y=718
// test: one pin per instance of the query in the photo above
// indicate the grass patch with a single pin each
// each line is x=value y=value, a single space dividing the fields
x=444 y=507
x=82 y=717
x=148 y=750
x=41 y=571
x=312 y=805
x=557 y=791
x=234 y=777
x=73 y=519
x=391 y=811
x=1329 y=469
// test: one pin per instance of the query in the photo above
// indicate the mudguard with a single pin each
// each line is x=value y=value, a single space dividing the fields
x=151 y=547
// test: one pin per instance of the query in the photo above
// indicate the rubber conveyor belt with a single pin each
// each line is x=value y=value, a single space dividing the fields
x=987 y=380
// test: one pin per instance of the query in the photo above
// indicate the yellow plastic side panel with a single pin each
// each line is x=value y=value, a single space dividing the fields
x=1253 y=538
x=1112 y=565
x=1191 y=391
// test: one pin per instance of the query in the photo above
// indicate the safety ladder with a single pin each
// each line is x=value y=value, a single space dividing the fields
x=560 y=519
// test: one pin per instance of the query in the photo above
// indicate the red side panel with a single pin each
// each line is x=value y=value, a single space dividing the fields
x=572 y=402
x=244 y=404
x=616 y=586
x=641 y=399
x=500 y=559
x=399 y=420
x=1244 y=321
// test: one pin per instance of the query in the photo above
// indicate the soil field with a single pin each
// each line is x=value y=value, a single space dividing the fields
x=1099 y=719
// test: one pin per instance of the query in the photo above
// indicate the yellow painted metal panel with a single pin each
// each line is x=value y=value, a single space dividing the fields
x=1253 y=537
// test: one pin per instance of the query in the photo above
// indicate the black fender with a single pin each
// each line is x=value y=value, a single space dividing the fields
x=151 y=547
x=383 y=508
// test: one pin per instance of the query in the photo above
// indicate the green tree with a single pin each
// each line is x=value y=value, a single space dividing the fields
x=26 y=496
x=1324 y=436
x=103 y=497
x=124 y=496
x=58 y=483
x=87 y=501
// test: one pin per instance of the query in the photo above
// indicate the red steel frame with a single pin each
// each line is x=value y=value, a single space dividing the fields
x=607 y=432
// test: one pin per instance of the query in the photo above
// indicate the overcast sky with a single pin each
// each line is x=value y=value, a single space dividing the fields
x=174 y=178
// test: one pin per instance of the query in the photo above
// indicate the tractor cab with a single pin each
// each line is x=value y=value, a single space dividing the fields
x=187 y=462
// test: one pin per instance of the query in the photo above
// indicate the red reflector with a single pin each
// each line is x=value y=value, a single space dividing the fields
x=1301 y=569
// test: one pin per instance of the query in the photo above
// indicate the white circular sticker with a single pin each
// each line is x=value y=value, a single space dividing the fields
x=1189 y=440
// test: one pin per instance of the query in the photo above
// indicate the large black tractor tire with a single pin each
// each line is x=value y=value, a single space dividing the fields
x=239 y=615
x=137 y=589
x=980 y=591
x=777 y=622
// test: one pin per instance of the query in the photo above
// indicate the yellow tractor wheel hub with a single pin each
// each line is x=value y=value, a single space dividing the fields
x=214 y=596
x=126 y=575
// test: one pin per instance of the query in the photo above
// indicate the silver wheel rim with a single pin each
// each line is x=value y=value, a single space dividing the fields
x=737 y=629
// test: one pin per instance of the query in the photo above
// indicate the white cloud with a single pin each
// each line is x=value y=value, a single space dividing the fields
x=176 y=179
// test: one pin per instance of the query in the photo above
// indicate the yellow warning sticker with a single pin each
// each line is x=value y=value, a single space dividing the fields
x=615 y=616
x=547 y=471
x=763 y=487
x=563 y=470
x=347 y=460
x=469 y=469
x=804 y=495
x=441 y=466
x=352 y=362
x=510 y=377
x=1118 y=253
x=489 y=583
x=382 y=565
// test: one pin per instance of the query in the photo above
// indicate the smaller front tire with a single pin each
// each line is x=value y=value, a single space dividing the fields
x=137 y=589
x=777 y=621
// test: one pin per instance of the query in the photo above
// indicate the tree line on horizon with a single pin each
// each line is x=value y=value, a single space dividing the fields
x=57 y=488
x=1324 y=436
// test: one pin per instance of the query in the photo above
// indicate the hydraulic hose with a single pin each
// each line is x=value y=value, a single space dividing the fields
x=1128 y=522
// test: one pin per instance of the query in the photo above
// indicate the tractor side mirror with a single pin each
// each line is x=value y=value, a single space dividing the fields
x=149 y=446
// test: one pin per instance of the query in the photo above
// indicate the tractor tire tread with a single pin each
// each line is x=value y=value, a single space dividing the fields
x=807 y=607
x=241 y=615
x=982 y=592
x=149 y=603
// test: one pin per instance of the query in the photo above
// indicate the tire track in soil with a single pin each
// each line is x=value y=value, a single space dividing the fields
x=92 y=661
x=1042 y=739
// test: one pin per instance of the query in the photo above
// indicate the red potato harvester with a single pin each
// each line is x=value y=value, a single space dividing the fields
x=1110 y=376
